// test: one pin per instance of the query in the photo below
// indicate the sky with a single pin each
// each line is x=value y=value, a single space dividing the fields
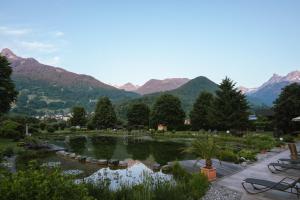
x=119 y=41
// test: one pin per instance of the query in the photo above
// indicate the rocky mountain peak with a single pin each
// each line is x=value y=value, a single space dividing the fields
x=9 y=54
x=293 y=76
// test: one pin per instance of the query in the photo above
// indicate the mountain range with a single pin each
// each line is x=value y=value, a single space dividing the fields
x=270 y=90
x=47 y=89
x=155 y=85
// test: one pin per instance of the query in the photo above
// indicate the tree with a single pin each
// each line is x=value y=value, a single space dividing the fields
x=138 y=115
x=78 y=116
x=200 y=112
x=105 y=116
x=167 y=110
x=287 y=107
x=8 y=94
x=230 y=107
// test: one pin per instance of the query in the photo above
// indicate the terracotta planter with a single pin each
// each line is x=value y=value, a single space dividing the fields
x=210 y=173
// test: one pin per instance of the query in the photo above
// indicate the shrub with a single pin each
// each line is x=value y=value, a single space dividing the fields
x=39 y=183
x=8 y=151
x=288 y=139
x=50 y=129
x=198 y=185
x=11 y=129
x=247 y=154
x=42 y=126
x=228 y=155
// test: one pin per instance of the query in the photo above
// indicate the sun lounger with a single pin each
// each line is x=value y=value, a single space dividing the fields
x=278 y=167
x=260 y=186
x=292 y=161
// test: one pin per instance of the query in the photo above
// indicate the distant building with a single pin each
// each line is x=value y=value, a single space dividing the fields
x=162 y=127
x=252 y=118
x=187 y=122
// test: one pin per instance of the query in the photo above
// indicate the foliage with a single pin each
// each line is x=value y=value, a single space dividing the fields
x=247 y=154
x=227 y=155
x=288 y=139
x=200 y=112
x=204 y=149
x=105 y=116
x=11 y=129
x=287 y=107
x=50 y=128
x=39 y=183
x=230 y=107
x=138 y=115
x=187 y=186
x=260 y=142
x=78 y=116
x=8 y=93
x=167 y=111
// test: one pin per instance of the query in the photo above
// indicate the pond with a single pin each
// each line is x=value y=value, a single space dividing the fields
x=139 y=153
x=144 y=149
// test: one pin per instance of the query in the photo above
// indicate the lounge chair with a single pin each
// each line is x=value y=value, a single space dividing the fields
x=260 y=186
x=292 y=161
x=279 y=167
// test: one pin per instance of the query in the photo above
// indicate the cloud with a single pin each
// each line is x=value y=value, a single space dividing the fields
x=13 y=32
x=38 y=46
x=54 y=61
x=59 y=34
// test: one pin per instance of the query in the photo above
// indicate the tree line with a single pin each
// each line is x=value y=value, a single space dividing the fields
x=226 y=110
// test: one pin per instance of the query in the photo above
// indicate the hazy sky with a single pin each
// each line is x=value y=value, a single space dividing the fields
x=133 y=41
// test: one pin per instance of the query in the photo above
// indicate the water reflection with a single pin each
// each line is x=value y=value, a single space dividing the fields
x=121 y=148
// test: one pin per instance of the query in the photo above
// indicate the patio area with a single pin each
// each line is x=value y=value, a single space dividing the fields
x=260 y=170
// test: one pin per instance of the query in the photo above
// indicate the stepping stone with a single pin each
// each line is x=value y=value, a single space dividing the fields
x=72 y=155
x=102 y=162
x=123 y=164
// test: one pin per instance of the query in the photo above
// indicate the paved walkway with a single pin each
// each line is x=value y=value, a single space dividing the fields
x=261 y=171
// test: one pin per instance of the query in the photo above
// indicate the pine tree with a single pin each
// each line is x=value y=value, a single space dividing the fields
x=138 y=115
x=167 y=110
x=230 y=107
x=287 y=107
x=200 y=113
x=8 y=94
x=78 y=116
x=105 y=116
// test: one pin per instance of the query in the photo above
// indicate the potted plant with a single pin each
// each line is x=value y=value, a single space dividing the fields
x=205 y=149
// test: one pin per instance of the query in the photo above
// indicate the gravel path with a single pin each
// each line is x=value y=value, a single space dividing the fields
x=217 y=192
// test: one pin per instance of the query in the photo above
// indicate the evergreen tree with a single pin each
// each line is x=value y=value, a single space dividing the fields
x=78 y=116
x=200 y=113
x=230 y=107
x=105 y=116
x=167 y=110
x=138 y=115
x=8 y=94
x=287 y=107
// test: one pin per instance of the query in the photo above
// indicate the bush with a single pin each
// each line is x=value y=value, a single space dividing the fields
x=39 y=183
x=198 y=185
x=8 y=151
x=50 y=129
x=247 y=154
x=288 y=139
x=11 y=129
x=228 y=155
x=42 y=126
